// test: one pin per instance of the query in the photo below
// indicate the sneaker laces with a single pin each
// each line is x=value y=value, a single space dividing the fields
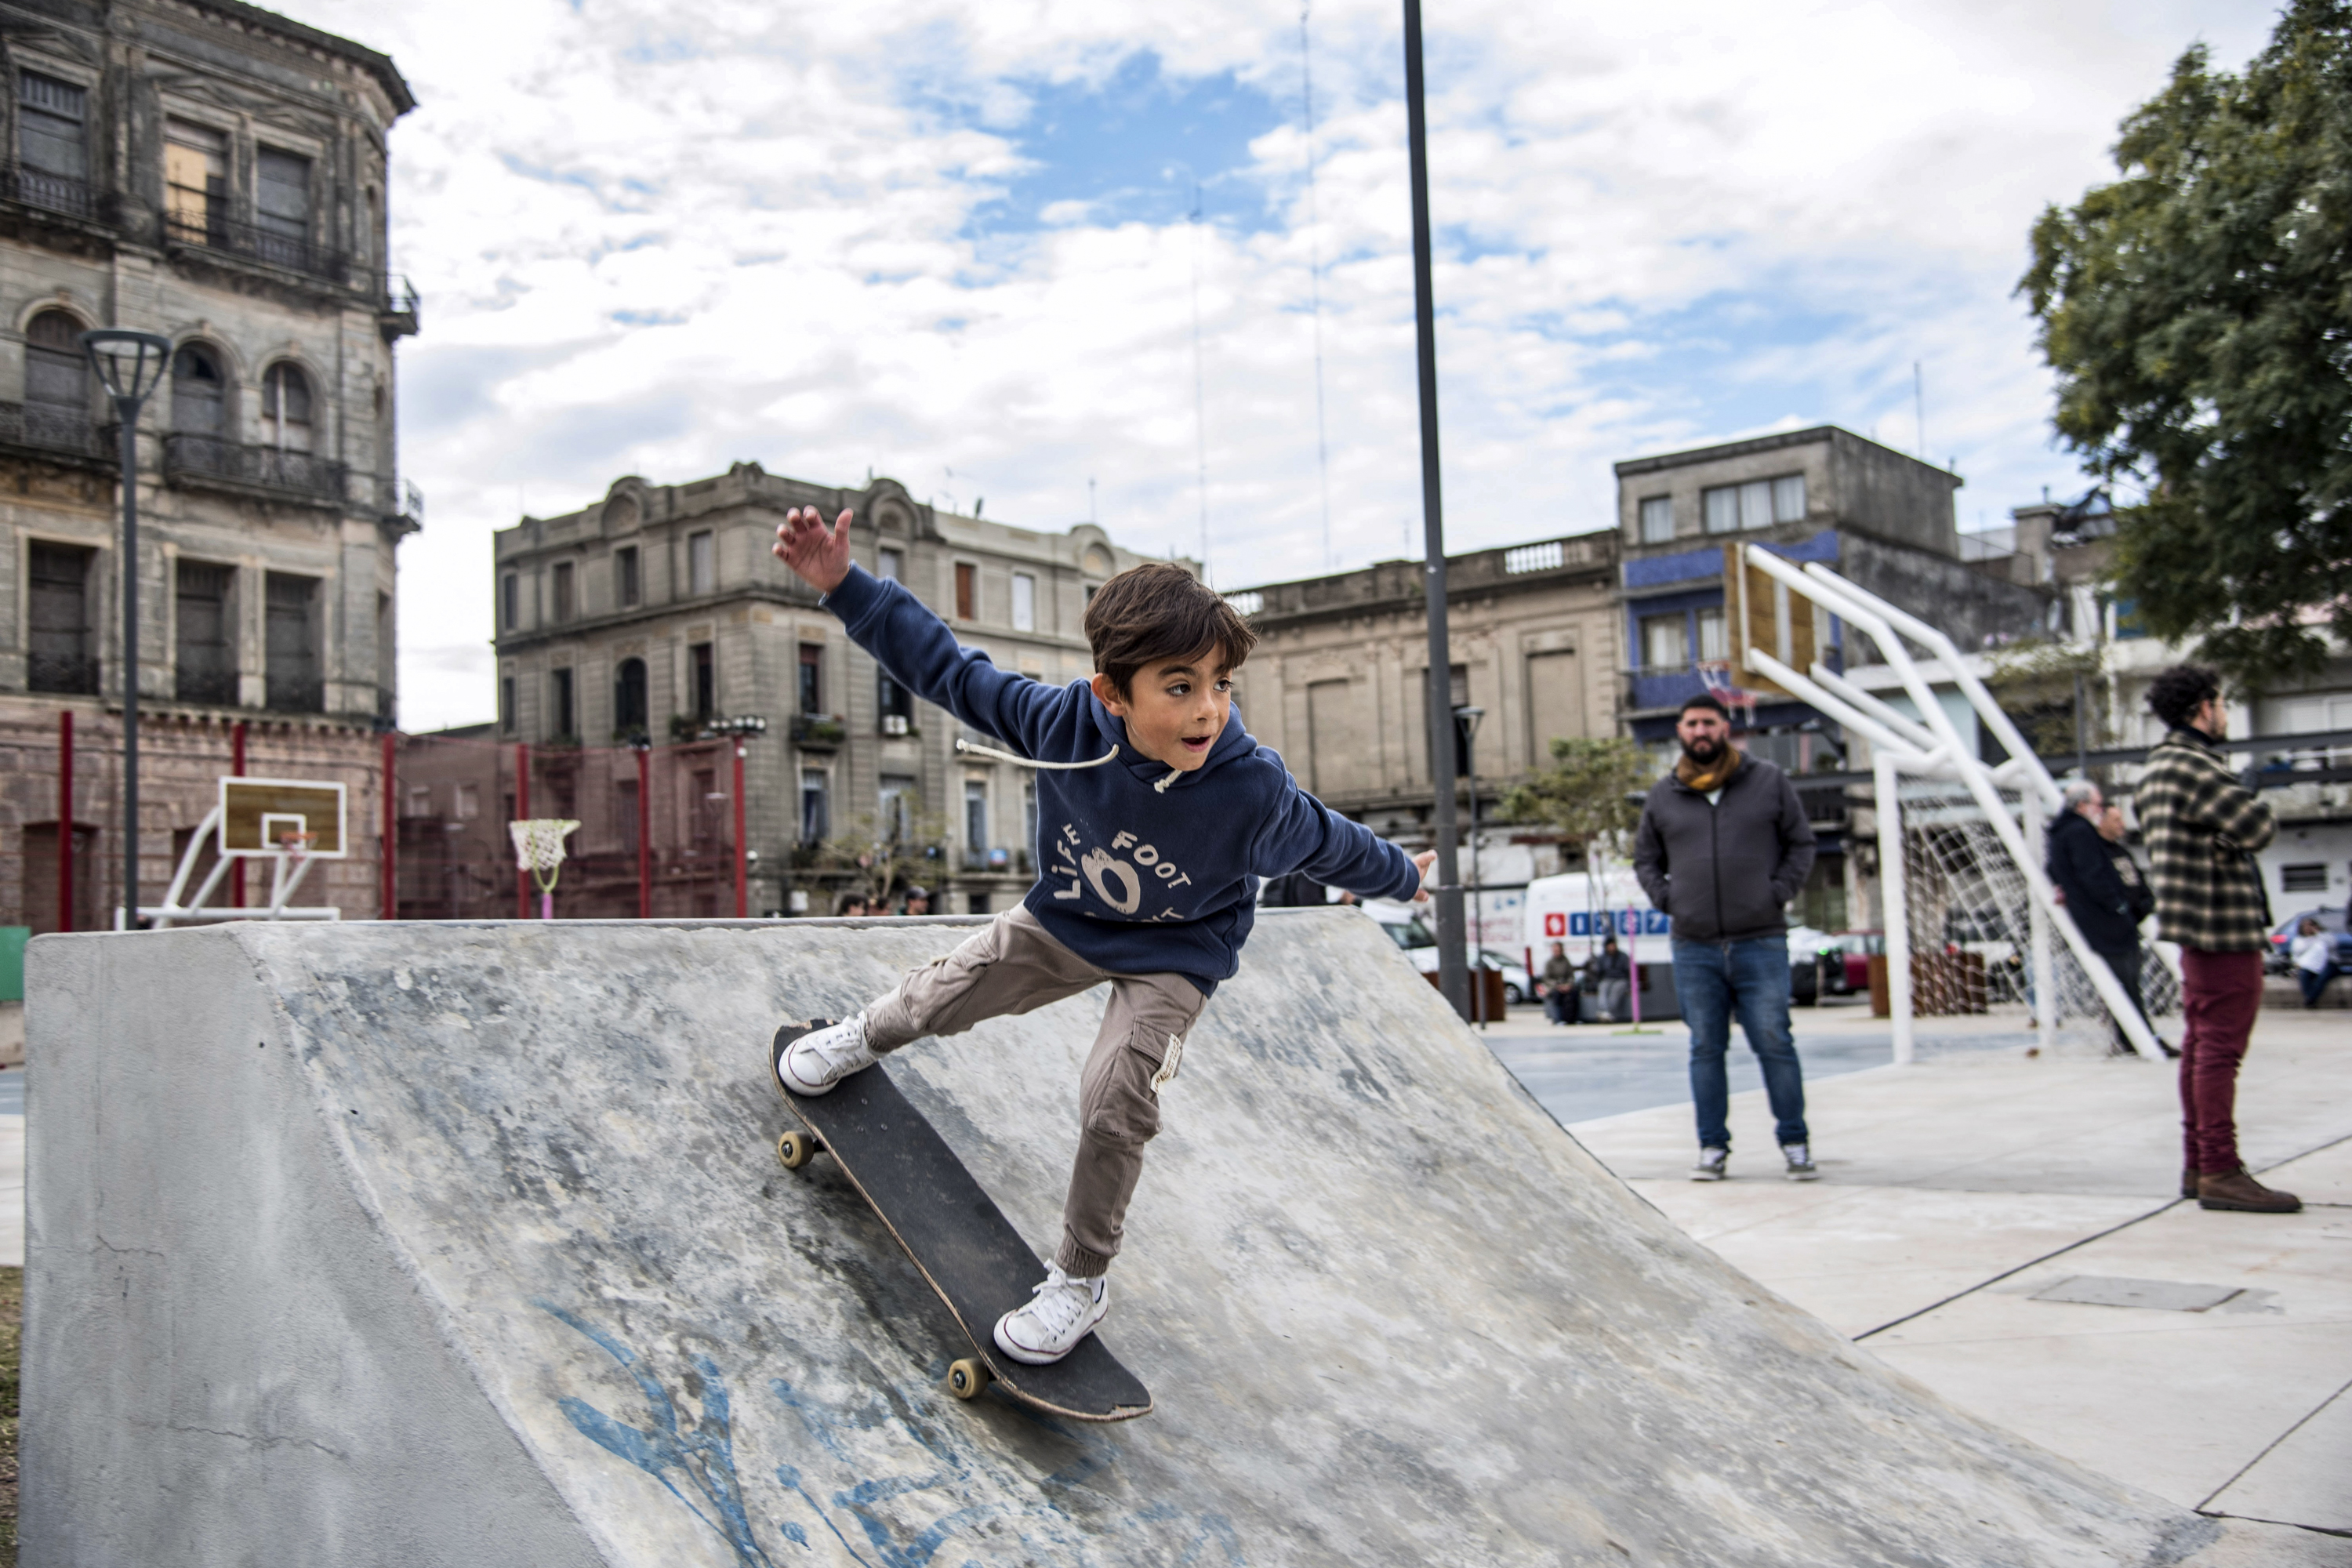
x=1797 y=1153
x=843 y=1048
x=1060 y=1302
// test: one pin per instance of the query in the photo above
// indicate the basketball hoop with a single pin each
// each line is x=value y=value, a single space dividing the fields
x=539 y=850
x=1716 y=674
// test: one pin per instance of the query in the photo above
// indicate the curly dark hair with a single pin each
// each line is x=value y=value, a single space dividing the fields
x=2177 y=694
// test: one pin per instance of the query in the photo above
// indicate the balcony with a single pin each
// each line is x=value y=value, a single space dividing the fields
x=210 y=462
x=819 y=732
x=69 y=674
x=57 y=196
x=57 y=434
x=192 y=683
x=225 y=236
x=295 y=694
x=396 y=312
x=1662 y=689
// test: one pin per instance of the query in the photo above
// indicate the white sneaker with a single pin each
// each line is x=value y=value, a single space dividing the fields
x=1714 y=1164
x=1061 y=1312
x=821 y=1059
x=1801 y=1163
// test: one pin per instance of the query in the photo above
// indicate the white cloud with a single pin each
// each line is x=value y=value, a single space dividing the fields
x=653 y=241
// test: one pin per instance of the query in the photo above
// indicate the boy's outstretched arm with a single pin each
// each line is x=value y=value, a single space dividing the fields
x=1302 y=834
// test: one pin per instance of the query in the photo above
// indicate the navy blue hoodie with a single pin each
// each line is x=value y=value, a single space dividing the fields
x=1148 y=869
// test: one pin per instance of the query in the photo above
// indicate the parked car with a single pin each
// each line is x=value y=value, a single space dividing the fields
x=1410 y=931
x=1859 y=947
x=2280 y=959
x=1816 y=966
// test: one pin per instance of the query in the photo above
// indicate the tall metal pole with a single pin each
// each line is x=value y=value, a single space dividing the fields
x=1453 y=970
x=127 y=411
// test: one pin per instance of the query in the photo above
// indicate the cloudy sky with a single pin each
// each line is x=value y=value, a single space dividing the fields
x=957 y=244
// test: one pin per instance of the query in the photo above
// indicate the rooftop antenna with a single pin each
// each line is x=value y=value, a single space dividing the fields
x=1315 y=279
x=1200 y=394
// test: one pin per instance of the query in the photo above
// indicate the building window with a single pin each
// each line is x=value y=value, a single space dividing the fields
x=624 y=576
x=509 y=602
x=560 y=690
x=897 y=703
x=1714 y=638
x=629 y=697
x=282 y=206
x=61 y=656
x=1024 y=602
x=286 y=408
x=1657 y=520
x=57 y=382
x=1665 y=641
x=812 y=691
x=890 y=563
x=1732 y=509
x=624 y=814
x=52 y=142
x=707 y=801
x=817 y=814
x=2304 y=879
x=564 y=585
x=196 y=181
x=703 y=657
x=199 y=393
x=204 y=667
x=975 y=816
x=418 y=802
x=293 y=644
x=507 y=708
x=897 y=802
x=701 y=563
x=466 y=802
x=967 y=581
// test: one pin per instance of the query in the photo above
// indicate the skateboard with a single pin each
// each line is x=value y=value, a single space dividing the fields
x=957 y=1237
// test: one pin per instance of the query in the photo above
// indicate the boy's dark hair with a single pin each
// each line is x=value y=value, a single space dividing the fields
x=1708 y=700
x=1150 y=613
x=2177 y=694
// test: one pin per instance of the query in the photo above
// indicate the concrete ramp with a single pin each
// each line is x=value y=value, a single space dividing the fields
x=413 y=1245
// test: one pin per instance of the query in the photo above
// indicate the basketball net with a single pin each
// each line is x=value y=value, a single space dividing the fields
x=1717 y=674
x=539 y=850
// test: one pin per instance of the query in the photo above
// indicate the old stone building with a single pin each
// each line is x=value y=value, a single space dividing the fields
x=216 y=174
x=660 y=613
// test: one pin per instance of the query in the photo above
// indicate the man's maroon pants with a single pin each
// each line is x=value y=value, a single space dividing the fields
x=2220 y=994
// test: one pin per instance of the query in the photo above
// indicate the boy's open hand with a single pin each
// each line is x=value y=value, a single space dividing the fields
x=820 y=555
x=1421 y=863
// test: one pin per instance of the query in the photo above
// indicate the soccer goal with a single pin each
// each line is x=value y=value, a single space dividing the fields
x=1970 y=916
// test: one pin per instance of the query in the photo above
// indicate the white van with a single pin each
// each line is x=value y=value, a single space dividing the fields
x=1579 y=912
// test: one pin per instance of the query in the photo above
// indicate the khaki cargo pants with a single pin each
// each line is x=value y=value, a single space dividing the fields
x=1012 y=966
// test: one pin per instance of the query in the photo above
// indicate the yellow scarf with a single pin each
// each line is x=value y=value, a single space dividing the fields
x=1726 y=763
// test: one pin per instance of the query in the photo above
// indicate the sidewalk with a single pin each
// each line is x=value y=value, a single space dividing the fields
x=1960 y=1196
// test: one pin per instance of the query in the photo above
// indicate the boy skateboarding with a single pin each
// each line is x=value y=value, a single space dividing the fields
x=1157 y=815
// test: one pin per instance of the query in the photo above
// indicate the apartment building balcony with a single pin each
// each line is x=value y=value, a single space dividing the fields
x=819 y=732
x=1650 y=691
x=295 y=694
x=194 y=683
x=223 y=236
x=56 y=433
x=70 y=675
x=210 y=462
x=45 y=195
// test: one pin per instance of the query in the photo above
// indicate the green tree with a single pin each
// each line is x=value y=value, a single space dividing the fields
x=874 y=859
x=2056 y=691
x=2198 y=315
x=1590 y=795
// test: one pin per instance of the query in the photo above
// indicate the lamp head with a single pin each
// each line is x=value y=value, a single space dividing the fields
x=129 y=363
x=1470 y=717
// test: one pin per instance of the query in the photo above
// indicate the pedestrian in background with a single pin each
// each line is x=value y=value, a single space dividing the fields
x=1557 y=987
x=2202 y=827
x=2315 y=960
x=1723 y=847
x=2102 y=907
x=2143 y=903
x=1614 y=975
x=918 y=901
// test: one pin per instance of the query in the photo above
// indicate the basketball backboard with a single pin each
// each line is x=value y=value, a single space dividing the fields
x=1760 y=613
x=256 y=816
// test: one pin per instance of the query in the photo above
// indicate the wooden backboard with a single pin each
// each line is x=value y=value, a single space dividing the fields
x=1761 y=613
x=256 y=813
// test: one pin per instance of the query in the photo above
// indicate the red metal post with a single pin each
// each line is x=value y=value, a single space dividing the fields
x=522 y=814
x=237 y=770
x=743 y=860
x=645 y=833
x=391 y=829
x=65 y=835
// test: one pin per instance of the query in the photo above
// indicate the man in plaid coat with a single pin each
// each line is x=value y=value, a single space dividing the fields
x=2202 y=827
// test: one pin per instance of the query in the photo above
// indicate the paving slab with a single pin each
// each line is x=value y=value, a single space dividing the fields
x=2305 y=1479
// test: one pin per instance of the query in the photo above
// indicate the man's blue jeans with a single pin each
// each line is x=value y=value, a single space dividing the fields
x=1712 y=981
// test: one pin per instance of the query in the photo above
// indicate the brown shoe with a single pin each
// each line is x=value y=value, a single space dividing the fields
x=2188 y=1181
x=2237 y=1191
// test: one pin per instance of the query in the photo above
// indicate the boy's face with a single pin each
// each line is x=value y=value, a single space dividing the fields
x=1174 y=709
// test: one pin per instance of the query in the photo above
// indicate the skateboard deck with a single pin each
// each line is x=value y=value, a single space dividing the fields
x=957 y=1237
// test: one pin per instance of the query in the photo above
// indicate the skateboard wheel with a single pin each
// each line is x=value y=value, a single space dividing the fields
x=794 y=1150
x=967 y=1377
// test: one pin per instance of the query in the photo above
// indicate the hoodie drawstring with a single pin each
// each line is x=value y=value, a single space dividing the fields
x=979 y=750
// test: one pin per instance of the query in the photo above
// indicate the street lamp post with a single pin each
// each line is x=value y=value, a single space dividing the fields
x=1465 y=719
x=128 y=365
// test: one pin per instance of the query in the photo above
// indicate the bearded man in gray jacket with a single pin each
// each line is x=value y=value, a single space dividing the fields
x=1723 y=847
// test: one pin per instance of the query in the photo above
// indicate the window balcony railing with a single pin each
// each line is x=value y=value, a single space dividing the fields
x=1662 y=689
x=251 y=242
x=819 y=732
x=70 y=674
x=302 y=475
x=52 y=430
x=60 y=194
x=195 y=684
x=295 y=694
